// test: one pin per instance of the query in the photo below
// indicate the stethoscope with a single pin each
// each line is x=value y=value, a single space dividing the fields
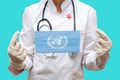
x=50 y=26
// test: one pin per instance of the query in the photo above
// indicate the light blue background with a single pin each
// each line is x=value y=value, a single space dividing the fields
x=108 y=13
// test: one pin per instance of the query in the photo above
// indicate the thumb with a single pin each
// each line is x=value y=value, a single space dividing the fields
x=102 y=35
x=14 y=38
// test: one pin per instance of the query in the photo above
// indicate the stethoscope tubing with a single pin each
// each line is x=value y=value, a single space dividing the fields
x=50 y=26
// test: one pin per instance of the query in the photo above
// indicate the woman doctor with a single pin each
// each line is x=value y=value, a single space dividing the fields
x=63 y=15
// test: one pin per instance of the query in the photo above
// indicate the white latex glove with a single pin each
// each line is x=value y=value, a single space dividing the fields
x=16 y=52
x=103 y=47
x=104 y=44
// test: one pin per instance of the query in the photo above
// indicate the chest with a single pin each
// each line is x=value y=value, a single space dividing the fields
x=62 y=21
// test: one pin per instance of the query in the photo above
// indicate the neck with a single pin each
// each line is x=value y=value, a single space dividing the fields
x=58 y=4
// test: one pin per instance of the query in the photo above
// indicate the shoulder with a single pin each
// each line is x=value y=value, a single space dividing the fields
x=85 y=7
x=32 y=11
x=35 y=8
x=32 y=8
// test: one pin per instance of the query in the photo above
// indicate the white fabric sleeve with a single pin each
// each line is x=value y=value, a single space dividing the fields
x=89 y=57
x=27 y=38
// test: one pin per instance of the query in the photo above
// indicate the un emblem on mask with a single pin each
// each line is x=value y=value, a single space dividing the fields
x=57 y=41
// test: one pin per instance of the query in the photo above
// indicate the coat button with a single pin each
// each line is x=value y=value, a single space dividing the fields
x=69 y=16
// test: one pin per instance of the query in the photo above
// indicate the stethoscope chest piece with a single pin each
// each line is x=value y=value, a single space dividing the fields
x=52 y=55
x=73 y=55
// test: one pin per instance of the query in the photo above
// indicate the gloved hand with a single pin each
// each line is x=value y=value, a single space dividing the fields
x=17 y=53
x=103 y=47
x=104 y=44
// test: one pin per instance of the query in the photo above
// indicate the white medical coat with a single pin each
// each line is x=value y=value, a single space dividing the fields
x=63 y=67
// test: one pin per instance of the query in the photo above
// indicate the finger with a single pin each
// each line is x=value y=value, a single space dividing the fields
x=21 y=51
x=102 y=35
x=22 y=56
x=17 y=46
x=101 y=42
x=99 y=46
x=14 y=38
x=99 y=51
x=105 y=44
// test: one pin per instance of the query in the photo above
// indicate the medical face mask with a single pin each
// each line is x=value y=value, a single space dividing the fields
x=57 y=41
